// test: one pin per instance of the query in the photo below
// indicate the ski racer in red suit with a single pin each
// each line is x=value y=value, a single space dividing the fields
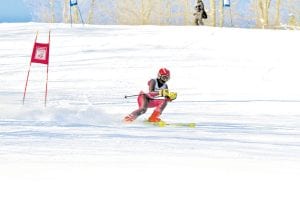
x=157 y=97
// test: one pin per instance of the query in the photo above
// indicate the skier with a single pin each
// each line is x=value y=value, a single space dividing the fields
x=200 y=13
x=158 y=97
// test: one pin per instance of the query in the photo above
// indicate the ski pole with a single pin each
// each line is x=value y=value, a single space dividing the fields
x=126 y=96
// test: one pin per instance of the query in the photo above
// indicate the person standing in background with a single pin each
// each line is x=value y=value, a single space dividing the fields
x=200 y=13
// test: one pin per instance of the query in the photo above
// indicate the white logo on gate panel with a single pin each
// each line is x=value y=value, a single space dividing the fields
x=41 y=53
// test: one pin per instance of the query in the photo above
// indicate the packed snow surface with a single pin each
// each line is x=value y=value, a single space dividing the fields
x=240 y=87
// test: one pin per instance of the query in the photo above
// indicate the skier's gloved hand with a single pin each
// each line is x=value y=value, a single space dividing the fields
x=163 y=92
x=172 y=95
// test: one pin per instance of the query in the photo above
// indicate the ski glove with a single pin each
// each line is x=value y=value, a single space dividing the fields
x=172 y=95
x=163 y=92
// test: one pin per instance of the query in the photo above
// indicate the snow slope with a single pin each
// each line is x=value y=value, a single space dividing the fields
x=239 y=86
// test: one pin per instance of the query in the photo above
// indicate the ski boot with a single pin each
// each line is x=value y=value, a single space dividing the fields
x=154 y=117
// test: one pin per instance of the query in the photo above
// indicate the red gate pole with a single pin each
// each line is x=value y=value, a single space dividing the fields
x=26 y=84
x=29 y=71
x=46 y=92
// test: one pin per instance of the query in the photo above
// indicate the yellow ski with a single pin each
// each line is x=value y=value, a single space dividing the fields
x=164 y=124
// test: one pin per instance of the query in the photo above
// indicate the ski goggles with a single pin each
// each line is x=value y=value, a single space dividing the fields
x=164 y=77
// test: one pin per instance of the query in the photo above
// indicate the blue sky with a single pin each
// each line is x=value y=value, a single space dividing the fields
x=14 y=11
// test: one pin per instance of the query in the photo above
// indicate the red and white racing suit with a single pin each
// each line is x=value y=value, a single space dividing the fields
x=151 y=99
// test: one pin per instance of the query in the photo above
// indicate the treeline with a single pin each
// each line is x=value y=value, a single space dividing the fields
x=241 y=13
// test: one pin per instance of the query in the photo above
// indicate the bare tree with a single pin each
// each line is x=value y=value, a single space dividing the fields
x=188 y=9
x=66 y=11
x=277 y=16
x=213 y=12
x=292 y=23
x=221 y=13
x=166 y=11
x=128 y=12
x=43 y=10
x=137 y=12
x=294 y=13
x=263 y=13
x=91 y=12
x=75 y=14
x=146 y=10
x=52 y=11
x=183 y=14
x=263 y=9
